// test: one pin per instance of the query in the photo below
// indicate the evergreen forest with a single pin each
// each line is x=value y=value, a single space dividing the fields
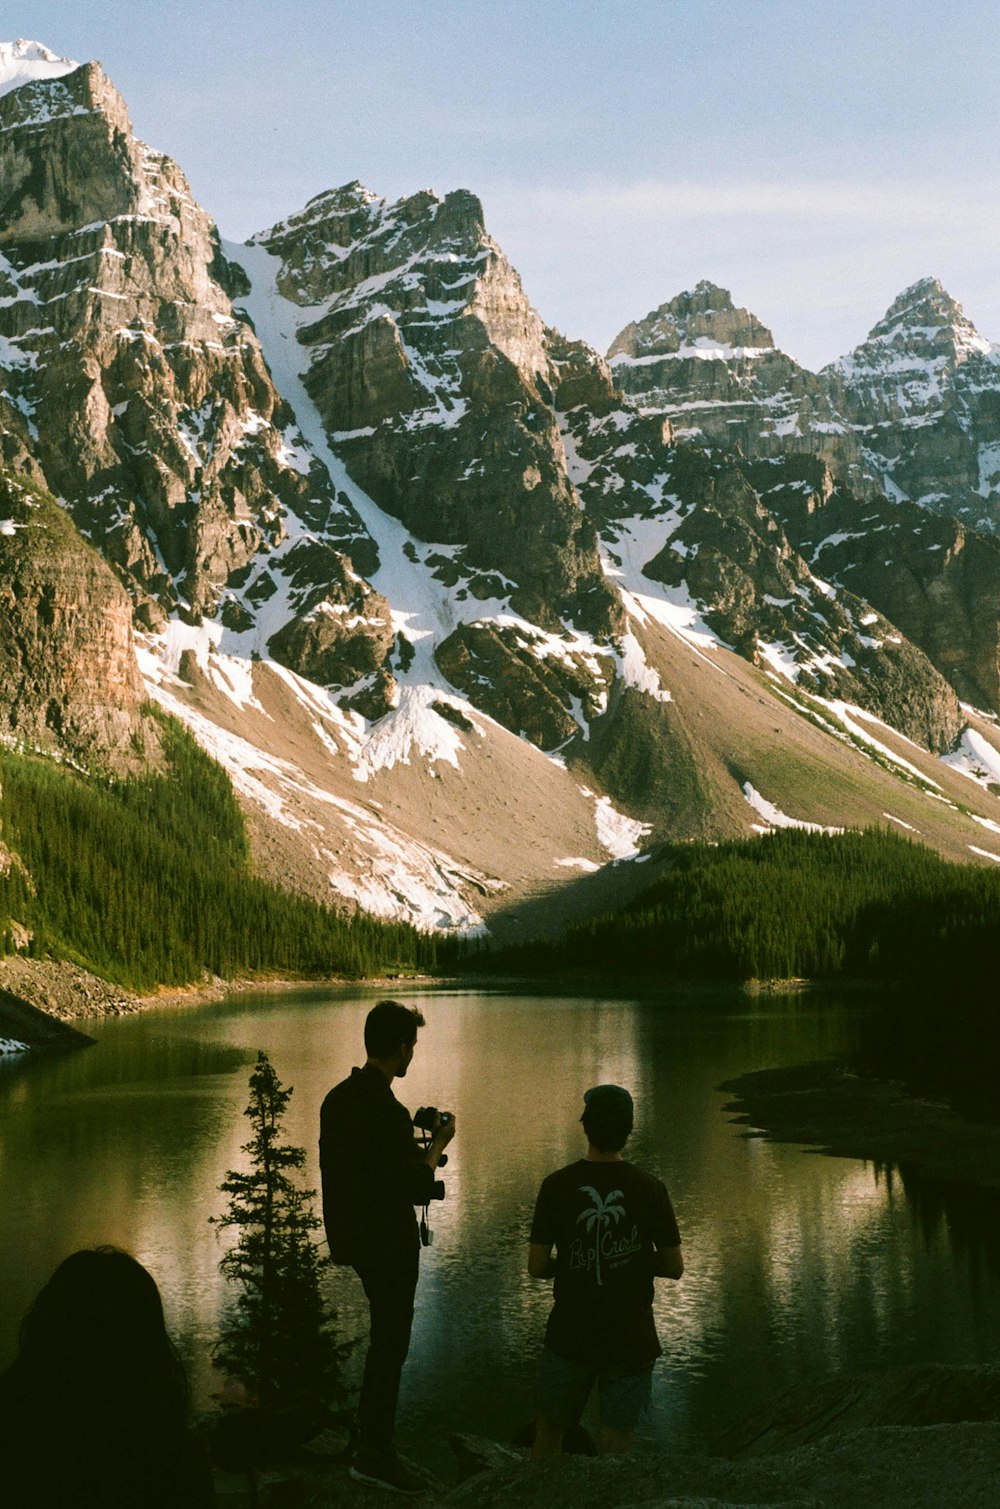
x=864 y=904
x=148 y=881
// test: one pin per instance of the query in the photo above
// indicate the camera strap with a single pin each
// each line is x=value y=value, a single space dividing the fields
x=426 y=1235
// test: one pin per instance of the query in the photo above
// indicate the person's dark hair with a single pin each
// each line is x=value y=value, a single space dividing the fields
x=608 y=1127
x=93 y=1410
x=98 y=1326
x=388 y=1024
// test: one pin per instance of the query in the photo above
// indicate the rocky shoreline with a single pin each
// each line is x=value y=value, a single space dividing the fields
x=893 y=1441
x=62 y=990
x=65 y=993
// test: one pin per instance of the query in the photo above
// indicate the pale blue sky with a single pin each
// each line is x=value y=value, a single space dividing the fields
x=813 y=159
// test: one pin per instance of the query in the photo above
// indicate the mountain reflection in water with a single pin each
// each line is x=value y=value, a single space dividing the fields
x=797 y=1265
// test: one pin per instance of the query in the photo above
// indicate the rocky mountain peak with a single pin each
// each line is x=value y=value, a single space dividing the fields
x=419 y=258
x=712 y=369
x=139 y=396
x=69 y=159
x=922 y=391
x=924 y=330
x=703 y=318
x=432 y=375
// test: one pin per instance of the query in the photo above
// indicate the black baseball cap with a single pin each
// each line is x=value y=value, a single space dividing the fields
x=610 y=1098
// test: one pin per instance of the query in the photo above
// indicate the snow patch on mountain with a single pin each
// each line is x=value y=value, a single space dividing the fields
x=626 y=549
x=976 y=758
x=413 y=726
x=160 y=654
x=854 y=720
x=790 y=659
x=25 y=62
x=702 y=349
x=636 y=671
x=407 y=881
x=775 y=818
x=620 y=835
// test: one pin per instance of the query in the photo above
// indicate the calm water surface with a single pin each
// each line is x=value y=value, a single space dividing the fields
x=797 y=1265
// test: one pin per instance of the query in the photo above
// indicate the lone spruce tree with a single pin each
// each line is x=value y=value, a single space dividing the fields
x=276 y=1337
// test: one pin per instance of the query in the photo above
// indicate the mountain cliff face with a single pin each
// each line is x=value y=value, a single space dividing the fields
x=145 y=403
x=923 y=395
x=429 y=369
x=69 y=683
x=463 y=619
x=716 y=373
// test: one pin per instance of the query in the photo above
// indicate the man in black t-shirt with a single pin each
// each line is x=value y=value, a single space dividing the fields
x=614 y=1230
x=373 y=1175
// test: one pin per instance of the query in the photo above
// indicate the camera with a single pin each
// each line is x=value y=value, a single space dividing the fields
x=425 y=1117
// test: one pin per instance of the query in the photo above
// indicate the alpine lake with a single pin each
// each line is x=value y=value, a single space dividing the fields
x=799 y=1266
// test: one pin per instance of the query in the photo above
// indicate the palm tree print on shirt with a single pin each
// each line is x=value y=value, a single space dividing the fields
x=604 y=1211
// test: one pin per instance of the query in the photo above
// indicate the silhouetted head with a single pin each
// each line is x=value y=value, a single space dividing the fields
x=96 y=1329
x=607 y=1117
x=390 y=1035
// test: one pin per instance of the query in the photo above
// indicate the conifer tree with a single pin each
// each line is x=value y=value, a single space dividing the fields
x=277 y=1336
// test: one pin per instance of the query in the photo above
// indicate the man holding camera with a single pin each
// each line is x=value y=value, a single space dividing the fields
x=613 y=1229
x=373 y=1174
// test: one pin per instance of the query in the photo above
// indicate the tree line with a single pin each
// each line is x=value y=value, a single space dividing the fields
x=868 y=904
x=147 y=881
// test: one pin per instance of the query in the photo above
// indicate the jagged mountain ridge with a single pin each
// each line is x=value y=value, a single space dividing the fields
x=909 y=443
x=389 y=278
x=411 y=542
x=911 y=412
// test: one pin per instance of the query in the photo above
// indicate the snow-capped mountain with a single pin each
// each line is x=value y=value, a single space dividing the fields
x=905 y=427
x=923 y=395
x=912 y=412
x=463 y=622
x=22 y=62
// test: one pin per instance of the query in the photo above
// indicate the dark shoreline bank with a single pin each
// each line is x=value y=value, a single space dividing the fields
x=835 y=1111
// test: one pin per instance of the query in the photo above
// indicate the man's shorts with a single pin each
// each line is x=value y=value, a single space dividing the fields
x=562 y=1388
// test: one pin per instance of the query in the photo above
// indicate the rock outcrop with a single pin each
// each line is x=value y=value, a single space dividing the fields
x=69 y=682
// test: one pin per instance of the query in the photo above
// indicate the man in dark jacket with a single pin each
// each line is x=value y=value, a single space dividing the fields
x=374 y=1173
x=613 y=1229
